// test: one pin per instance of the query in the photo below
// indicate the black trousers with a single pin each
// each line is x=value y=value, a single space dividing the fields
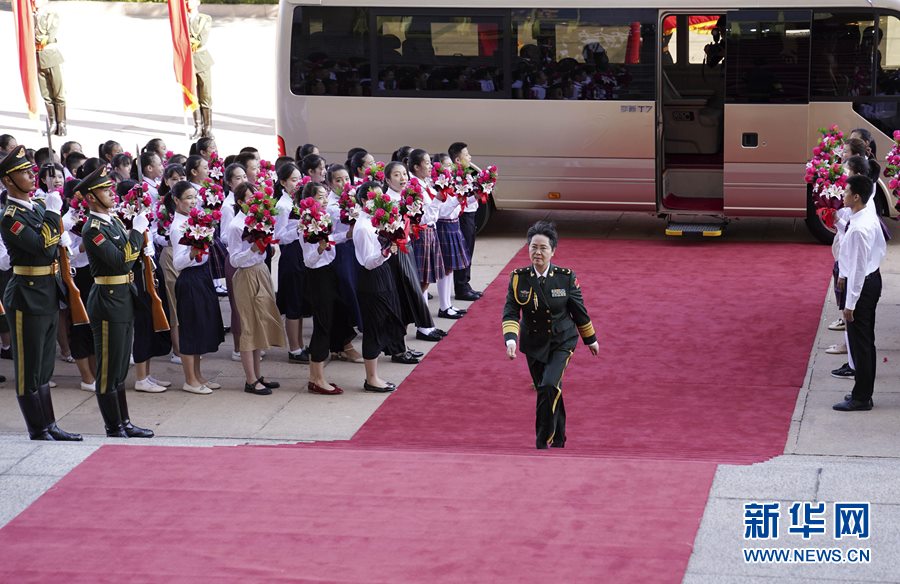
x=550 y=411
x=461 y=277
x=331 y=318
x=861 y=333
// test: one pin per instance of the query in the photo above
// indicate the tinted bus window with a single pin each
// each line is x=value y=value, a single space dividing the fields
x=842 y=52
x=887 y=55
x=442 y=52
x=583 y=54
x=329 y=51
x=768 y=56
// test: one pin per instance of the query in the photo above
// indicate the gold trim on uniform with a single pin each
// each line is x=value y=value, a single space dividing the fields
x=515 y=285
x=104 y=355
x=23 y=165
x=50 y=270
x=130 y=253
x=511 y=326
x=586 y=330
x=114 y=280
x=20 y=355
x=49 y=238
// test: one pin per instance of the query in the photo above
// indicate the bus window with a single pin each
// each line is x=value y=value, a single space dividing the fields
x=440 y=53
x=583 y=54
x=768 y=56
x=887 y=57
x=329 y=51
x=841 y=54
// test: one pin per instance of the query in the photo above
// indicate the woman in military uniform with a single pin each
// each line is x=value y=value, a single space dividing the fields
x=547 y=300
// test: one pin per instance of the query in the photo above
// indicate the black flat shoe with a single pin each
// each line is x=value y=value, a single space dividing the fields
x=251 y=388
x=386 y=389
x=441 y=332
x=455 y=315
x=269 y=384
x=416 y=354
x=470 y=296
x=404 y=358
x=301 y=357
x=432 y=337
x=851 y=405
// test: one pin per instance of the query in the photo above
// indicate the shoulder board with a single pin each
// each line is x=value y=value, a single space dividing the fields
x=10 y=211
x=564 y=270
x=95 y=224
x=521 y=271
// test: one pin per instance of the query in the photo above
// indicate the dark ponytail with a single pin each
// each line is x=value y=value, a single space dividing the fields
x=362 y=191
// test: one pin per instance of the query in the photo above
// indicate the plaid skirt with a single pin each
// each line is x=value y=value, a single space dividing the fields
x=218 y=255
x=429 y=260
x=452 y=245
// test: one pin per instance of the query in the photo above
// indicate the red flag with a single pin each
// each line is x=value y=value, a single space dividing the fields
x=699 y=24
x=181 y=49
x=24 y=25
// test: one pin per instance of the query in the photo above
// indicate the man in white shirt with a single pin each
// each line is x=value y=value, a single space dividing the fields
x=861 y=252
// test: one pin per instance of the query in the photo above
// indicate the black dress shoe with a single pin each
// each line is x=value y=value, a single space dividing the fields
x=251 y=388
x=404 y=358
x=451 y=315
x=61 y=435
x=117 y=432
x=136 y=431
x=433 y=336
x=441 y=332
x=269 y=384
x=302 y=357
x=852 y=405
x=386 y=389
x=414 y=353
x=470 y=295
x=849 y=397
x=6 y=353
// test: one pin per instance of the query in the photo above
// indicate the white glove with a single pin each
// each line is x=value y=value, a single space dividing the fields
x=65 y=239
x=54 y=202
x=150 y=251
x=140 y=223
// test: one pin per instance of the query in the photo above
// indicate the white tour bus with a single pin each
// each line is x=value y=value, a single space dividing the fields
x=694 y=111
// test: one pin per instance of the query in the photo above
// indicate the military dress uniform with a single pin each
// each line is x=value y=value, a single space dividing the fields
x=546 y=315
x=112 y=251
x=50 y=79
x=198 y=30
x=31 y=235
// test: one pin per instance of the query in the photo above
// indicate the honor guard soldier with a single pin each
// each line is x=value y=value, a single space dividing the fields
x=548 y=300
x=198 y=29
x=112 y=251
x=32 y=237
x=50 y=80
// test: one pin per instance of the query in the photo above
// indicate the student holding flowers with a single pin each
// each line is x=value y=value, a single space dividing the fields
x=291 y=271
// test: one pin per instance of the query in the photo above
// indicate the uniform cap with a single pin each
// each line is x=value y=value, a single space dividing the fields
x=14 y=161
x=93 y=181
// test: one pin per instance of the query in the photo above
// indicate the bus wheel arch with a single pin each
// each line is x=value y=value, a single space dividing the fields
x=483 y=214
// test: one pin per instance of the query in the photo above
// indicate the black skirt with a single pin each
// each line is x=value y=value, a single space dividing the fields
x=331 y=325
x=147 y=342
x=199 y=316
x=81 y=337
x=383 y=331
x=409 y=290
x=291 y=282
x=347 y=267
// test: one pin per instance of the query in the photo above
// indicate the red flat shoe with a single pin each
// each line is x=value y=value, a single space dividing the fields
x=313 y=388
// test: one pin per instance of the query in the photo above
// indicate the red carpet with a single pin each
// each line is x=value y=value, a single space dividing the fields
x=241 y=515
x=703 y=350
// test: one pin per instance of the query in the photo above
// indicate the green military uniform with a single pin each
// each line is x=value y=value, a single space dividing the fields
x=50 y=59
x=198 y=29
x=112 y=251
x=553 y=316
x=31 y=235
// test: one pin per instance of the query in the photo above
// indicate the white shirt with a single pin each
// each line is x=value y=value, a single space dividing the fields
x=4 y=257
x=241 y=252
x=181 y=254
x=27 y=204
x=77 y=259
x=449 y=209
x=313 y=259
x=861 y=250
x=339 y=229
x=286 y=229
x=227 y=213
x=366 y=244
x=152 y=188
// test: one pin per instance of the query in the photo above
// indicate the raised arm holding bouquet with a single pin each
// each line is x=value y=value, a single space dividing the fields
x=825 y=173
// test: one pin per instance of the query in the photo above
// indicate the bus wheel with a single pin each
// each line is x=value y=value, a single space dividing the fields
x=483 y=215
x=815 y=224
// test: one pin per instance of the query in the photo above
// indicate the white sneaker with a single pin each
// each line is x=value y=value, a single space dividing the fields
x=235 y=356
x=148 y=386
x=838 y=325
x=89 y=386
x=837 y=349
x=200 y=389
x=175 y=359
x=159 y=383
x=52 y=384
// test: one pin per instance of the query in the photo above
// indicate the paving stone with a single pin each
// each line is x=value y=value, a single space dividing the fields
x=19 y=492
x=53 y=459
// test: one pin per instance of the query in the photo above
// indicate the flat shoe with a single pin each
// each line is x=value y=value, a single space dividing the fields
x=386 y=389
x=849 y=397
x=432 y=337
x=837 y=349
x=455 y=315
x=269 y=384
x=213 y=385
x=838 y=325
x=251 y=388
x=416 y=354
x=199 y=389
x=851 y=405
x=314 y=388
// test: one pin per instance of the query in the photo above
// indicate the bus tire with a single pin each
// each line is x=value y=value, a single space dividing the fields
x=814 y=223
x=483 y=215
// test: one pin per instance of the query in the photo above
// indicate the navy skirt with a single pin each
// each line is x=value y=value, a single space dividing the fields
x=429 y=259
x=147 y=342
x=452 y=244
x=346 y=267
x=199 y=316
x=291 y=282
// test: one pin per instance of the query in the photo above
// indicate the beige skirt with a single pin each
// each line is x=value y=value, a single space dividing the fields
x=261 y=325
x=169 y=273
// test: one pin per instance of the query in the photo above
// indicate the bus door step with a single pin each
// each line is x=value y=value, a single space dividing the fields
x=705 y=229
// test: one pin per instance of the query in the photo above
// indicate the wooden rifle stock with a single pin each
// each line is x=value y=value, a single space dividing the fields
x=160 y=321
x=76 y=306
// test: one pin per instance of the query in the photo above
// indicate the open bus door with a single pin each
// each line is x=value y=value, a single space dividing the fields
x=766 y=112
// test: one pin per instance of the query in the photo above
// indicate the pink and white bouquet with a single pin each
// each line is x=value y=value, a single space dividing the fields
x=212 y=195
x=216 y=167
x=266 y=172
x=163 y=219
x=81 y=209
x=825 y=172
x=200 y=230
x=137 y=201
x=347 y=204
x=376 y=172
x=315 y=222
x=412 y=205
x=259 y=225
x=487 y=180
x=892 y=167
x=387 y=219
